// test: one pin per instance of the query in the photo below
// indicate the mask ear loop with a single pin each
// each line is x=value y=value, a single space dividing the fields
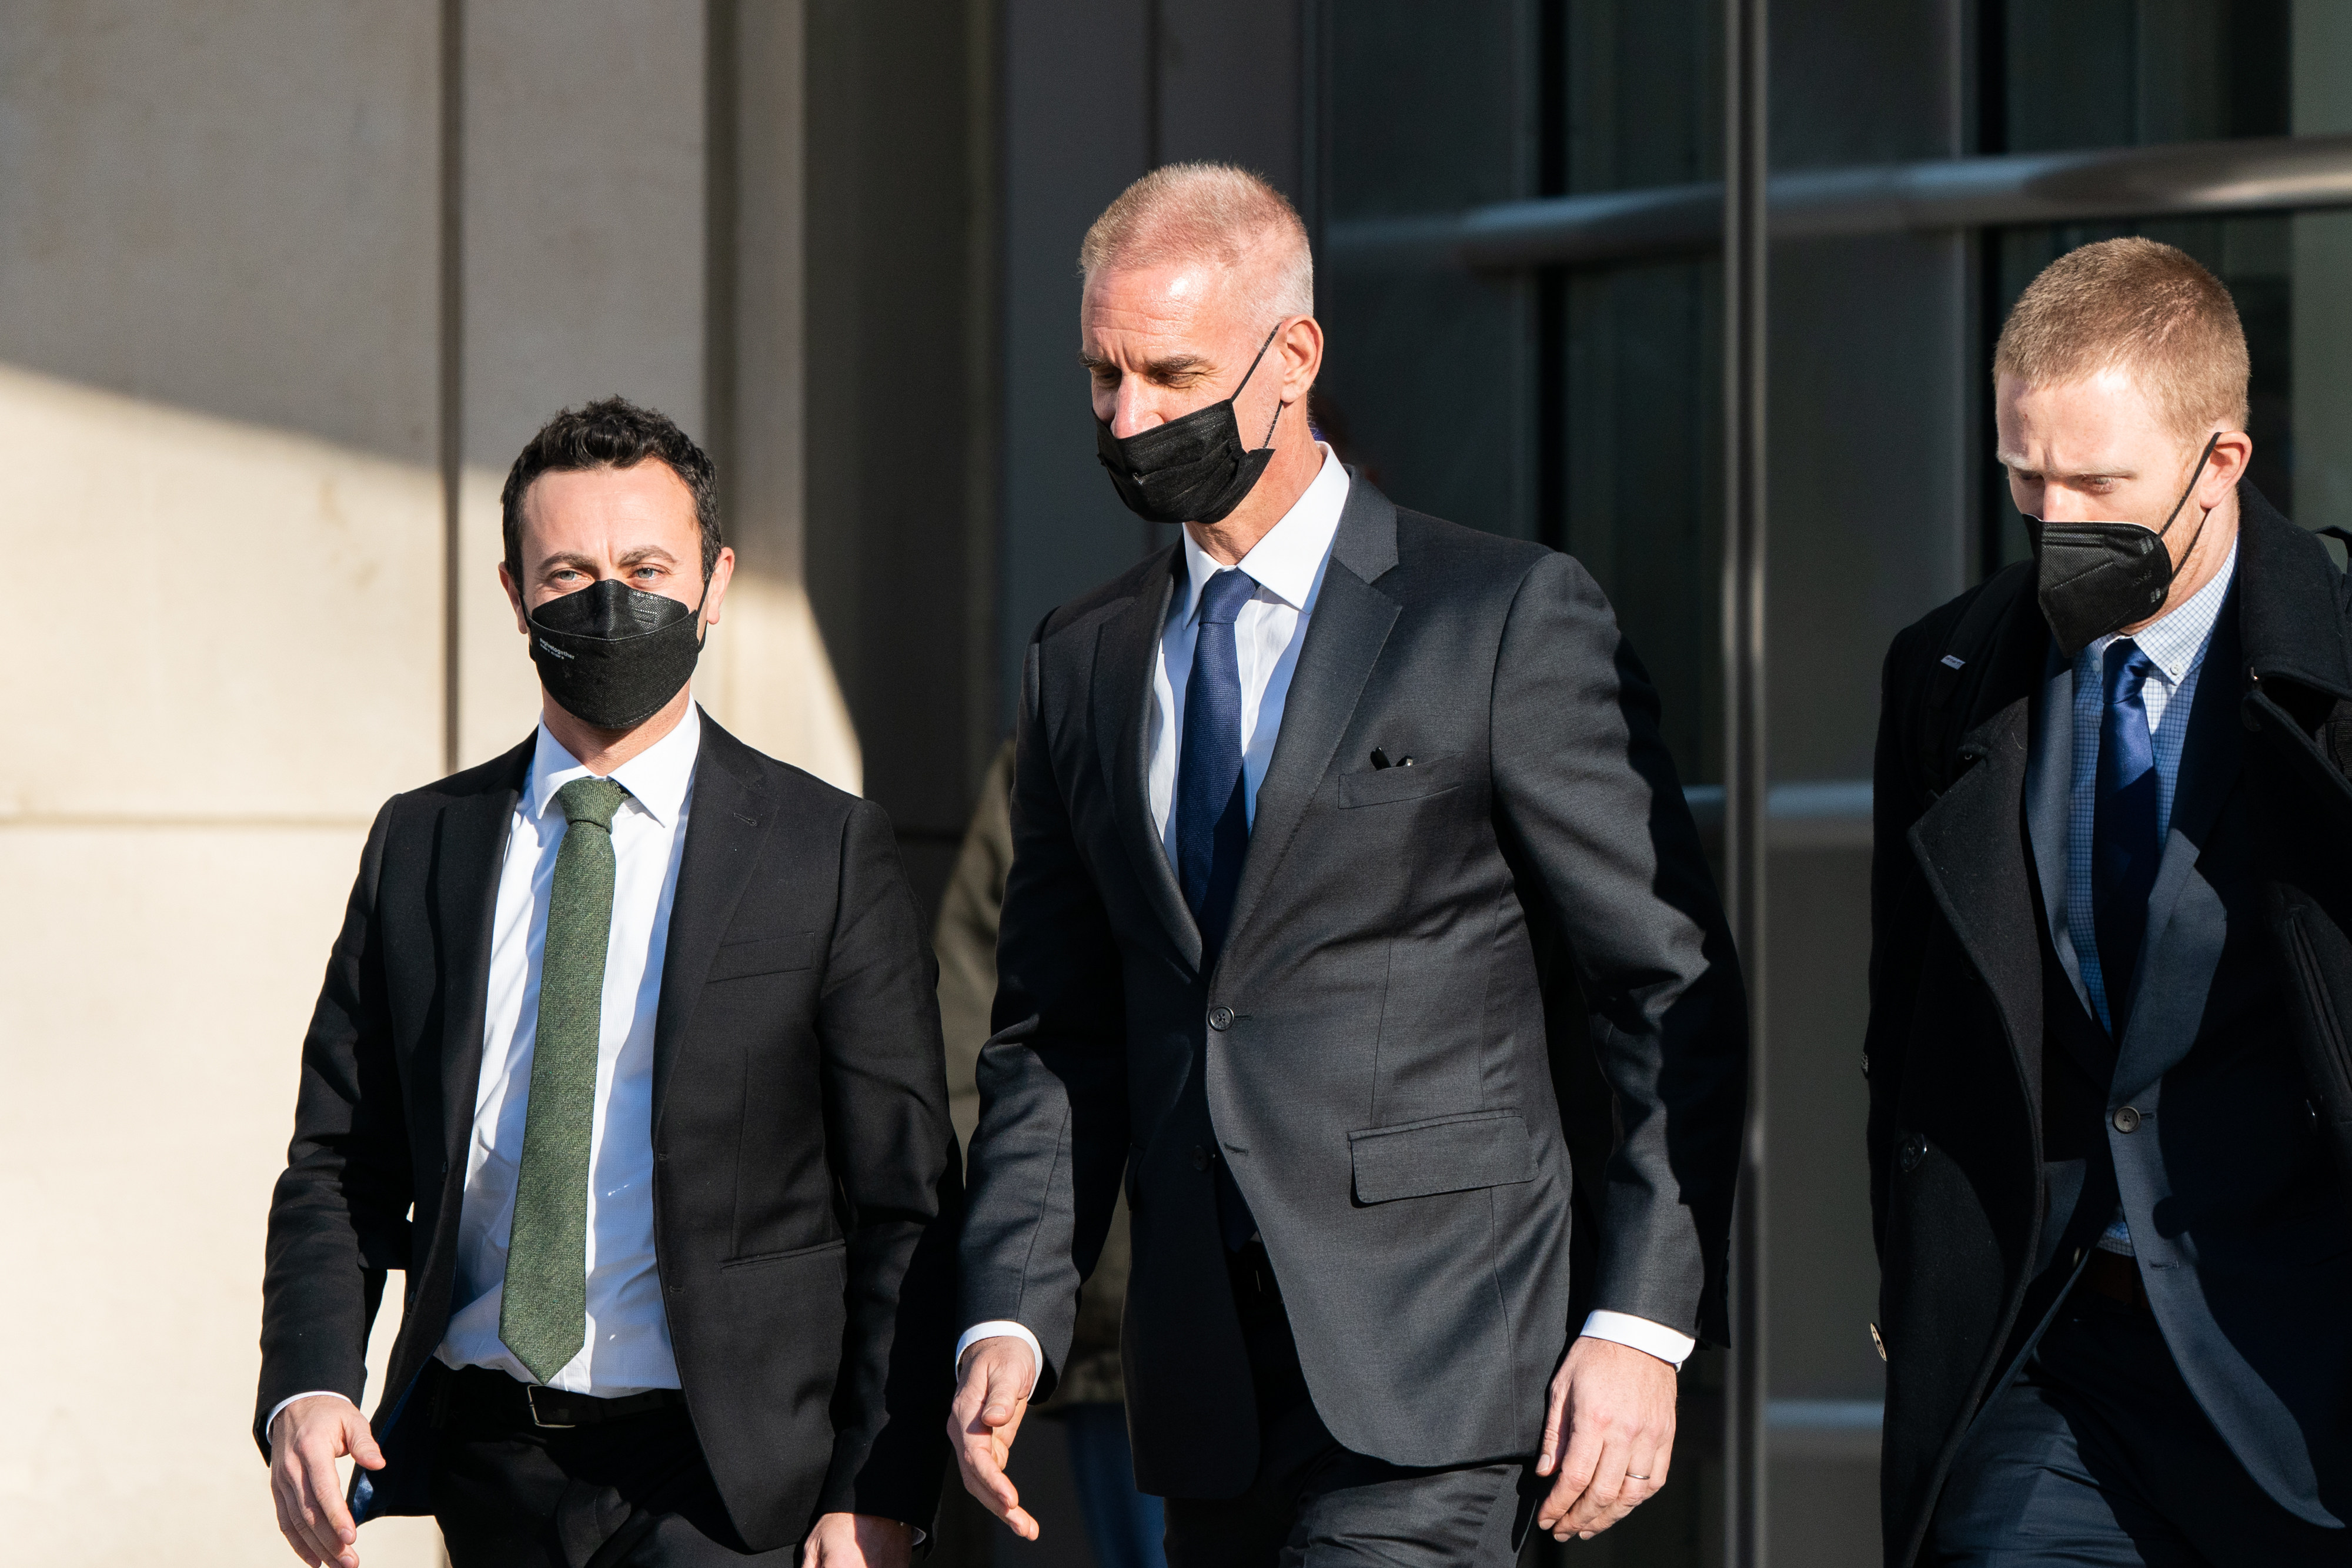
x=1278 y=407
x=2202 y=458
x=701 y=632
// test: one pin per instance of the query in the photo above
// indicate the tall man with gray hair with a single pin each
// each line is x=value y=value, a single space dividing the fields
x=1345 y=847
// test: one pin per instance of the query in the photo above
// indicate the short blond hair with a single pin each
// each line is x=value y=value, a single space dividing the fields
x=1214 y=212
x=2146 y=308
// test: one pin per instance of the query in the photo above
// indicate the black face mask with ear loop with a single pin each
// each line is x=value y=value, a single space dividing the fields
x=612 y=655
x=2093 y=577
x=1189 y=470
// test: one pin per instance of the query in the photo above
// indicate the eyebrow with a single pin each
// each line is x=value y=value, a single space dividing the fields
x=2018 y=464
x=636 y=557
x=1165 y=369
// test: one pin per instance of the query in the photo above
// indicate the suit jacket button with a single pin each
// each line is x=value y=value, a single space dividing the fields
x=2127 y=1119
x=1915 y=1149
x=1200 y=1158
x=1220 y=1018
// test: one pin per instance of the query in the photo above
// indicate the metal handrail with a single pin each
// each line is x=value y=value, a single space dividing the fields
x=2180 y=179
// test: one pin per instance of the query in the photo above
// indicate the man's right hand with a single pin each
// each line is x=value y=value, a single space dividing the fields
x=992 y=1395
x=305 y=1441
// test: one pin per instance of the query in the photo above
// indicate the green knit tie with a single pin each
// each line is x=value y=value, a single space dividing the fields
x=543 y=1316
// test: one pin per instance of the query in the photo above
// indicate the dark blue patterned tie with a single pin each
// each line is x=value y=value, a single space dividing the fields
x=2123 y=847
x=1213 y=811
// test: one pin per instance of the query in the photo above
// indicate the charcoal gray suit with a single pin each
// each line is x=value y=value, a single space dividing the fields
x=1375 y=1053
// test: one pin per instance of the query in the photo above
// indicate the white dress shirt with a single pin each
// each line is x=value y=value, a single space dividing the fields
x=627 y=1348
x=1287 y=565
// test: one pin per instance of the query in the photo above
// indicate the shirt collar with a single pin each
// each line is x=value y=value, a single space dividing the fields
x=657 y=777
x=1290 y=559
x=2175 y=640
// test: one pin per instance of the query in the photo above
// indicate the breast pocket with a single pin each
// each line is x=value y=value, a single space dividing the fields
x=1423 y=776
x=1444 y=1154
x=766 y=955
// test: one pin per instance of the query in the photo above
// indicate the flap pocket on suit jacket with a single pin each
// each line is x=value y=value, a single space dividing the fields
x=1378 y=786
x=1446 y=1153
x=765 y=955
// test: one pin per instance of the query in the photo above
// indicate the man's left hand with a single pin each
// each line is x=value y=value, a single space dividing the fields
x=858 y=1540
x=1608 y=1436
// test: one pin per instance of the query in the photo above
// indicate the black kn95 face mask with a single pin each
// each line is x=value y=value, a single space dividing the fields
x=612 y=655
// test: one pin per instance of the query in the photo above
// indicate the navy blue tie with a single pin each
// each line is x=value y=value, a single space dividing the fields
x=1213 y=811
x=2124 y=846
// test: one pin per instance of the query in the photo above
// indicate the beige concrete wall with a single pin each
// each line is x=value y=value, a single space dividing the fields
x=220 y=355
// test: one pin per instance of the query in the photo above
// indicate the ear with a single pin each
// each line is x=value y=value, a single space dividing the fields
x=721 y=574
x=514 y=597
x=1301 y=350
x=2232 y=454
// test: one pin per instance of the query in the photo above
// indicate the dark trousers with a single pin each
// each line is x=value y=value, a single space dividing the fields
x=1314 y=1504
x=629 y=1493
x=2099 y=1455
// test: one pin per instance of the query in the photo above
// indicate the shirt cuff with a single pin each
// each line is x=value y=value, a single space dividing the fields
x=1668 y=1346
x=1005 y=1326
x=278 y=1409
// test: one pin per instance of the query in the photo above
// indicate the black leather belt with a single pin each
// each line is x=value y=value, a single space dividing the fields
x=492 y=1398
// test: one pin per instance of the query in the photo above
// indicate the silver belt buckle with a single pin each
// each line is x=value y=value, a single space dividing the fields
x=531 y=1391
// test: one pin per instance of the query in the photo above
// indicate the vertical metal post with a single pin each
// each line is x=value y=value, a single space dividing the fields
x=1744 y=233
x=452 y=373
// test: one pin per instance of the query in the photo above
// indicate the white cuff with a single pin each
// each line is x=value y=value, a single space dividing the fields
x=279 y=1409
x=1668 y=1346
x=1005 y=1326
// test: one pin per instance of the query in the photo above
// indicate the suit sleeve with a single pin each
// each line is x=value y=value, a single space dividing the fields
x=1053 y=1139
x=1901 y=913
x=1588 y=806
x=338 y=1217
x=892 y=1153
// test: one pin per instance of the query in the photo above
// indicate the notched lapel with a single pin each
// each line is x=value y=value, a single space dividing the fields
x=1125 y=646
x=1344 y=638
x=2186 y=922
x=725 y=829
x=466 y=861
x=1969 y=847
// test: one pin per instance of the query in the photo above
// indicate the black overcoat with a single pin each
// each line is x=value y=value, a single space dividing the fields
x=1999 y=1140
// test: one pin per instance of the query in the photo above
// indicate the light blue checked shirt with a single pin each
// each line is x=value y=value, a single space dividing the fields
x=2176 y=644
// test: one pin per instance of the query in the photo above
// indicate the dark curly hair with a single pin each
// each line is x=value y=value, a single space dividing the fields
x=613 y=433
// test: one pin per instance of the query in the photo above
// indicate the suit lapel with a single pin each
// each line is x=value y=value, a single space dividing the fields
x=1345 y=635
x=1125 y=647
x=2186 y=924
x=1970 y=845
x=725 y=827
x=2049 y=807
x=471 y=855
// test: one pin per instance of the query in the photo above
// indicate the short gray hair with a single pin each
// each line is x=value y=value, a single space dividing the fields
x=1215 y=213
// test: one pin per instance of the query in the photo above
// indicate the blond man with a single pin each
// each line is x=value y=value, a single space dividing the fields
x=2109 y=1111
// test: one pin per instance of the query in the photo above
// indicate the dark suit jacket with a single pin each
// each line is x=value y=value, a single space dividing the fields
x=1371 y=1053
x=804 y=1192
x=1997 y=1151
